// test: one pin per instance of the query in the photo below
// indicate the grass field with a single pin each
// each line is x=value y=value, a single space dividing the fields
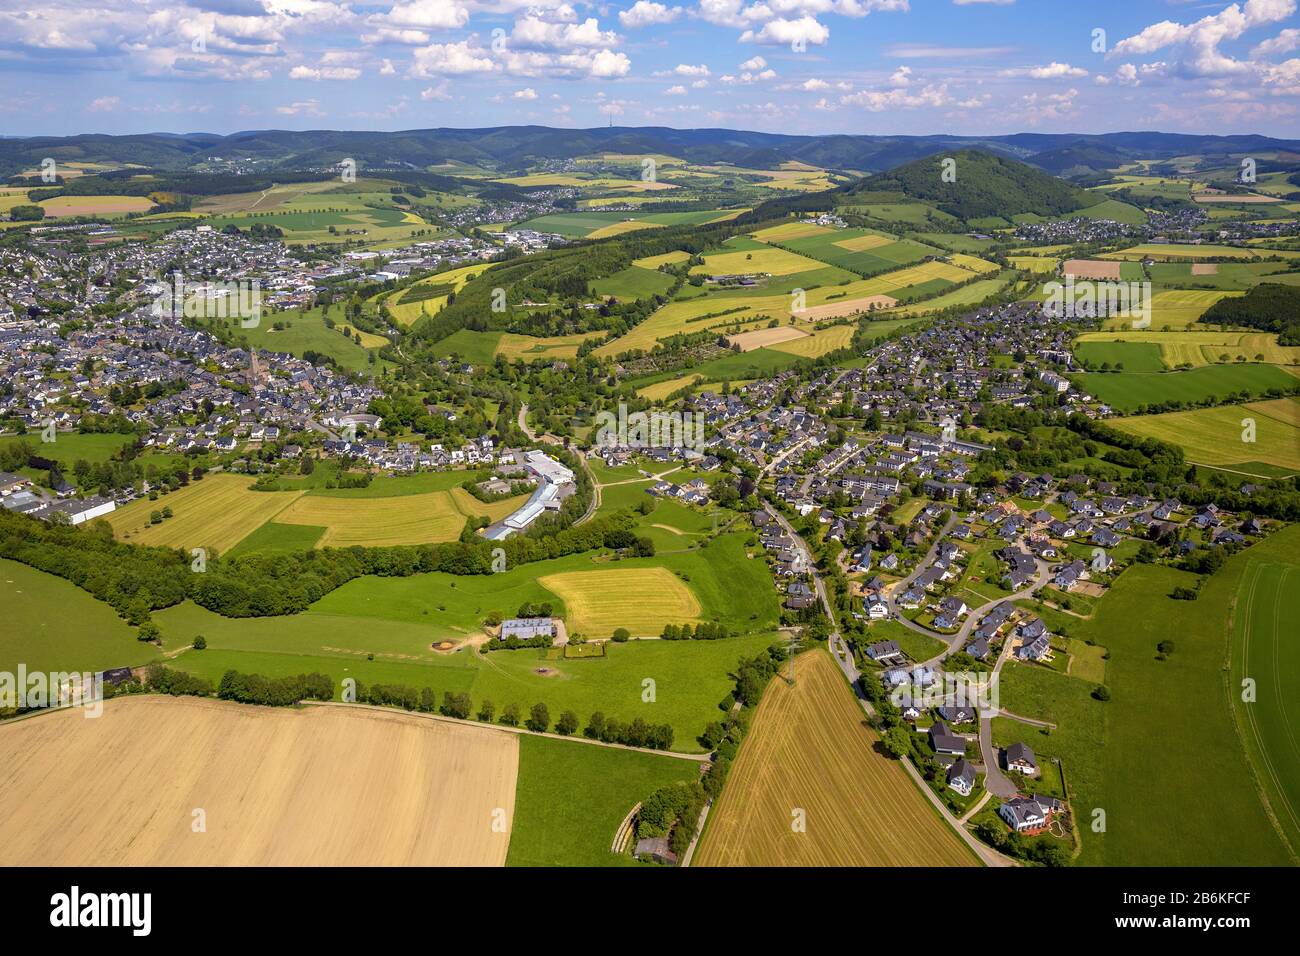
x=107 y=207
x=215 y=513
x=1160 y=251
x=306 y=330
x=818 y=342
x=1214 y=436
x=1204 y=346
x=276 y=786
x=642 y=600
x=53 y=625
x=810 y=749
x=1264 y=649
x=571 y=798
x=381 y=522
x=1153 y=785
x=1133 y=356
x=68 y=447
x=1127 y=391
x=405 y=313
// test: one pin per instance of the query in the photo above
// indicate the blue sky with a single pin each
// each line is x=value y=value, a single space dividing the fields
x=789 y=66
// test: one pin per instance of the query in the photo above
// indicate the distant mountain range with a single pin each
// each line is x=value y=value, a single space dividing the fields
x=513 y=147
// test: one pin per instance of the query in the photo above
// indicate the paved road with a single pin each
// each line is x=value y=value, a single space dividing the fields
x=995 y=781
x=523 y=422
x=844 y=658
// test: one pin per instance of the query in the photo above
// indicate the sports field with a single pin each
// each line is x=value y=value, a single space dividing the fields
x=186 y=782
x=1264 y=650
x=810 y=751
x=642 y=600
x=214 y=513
x=381 y=522
x=1216 y=436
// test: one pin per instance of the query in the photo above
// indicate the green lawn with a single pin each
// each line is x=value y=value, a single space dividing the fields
x=1127 y=391
x=633 y=283
x=273 y=538
x=69 y=447
x=1265 y=650
x=1162 y=758
x=51 y=624
x=1133 y=356
x=571 y=798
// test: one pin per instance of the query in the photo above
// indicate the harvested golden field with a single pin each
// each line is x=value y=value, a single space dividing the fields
x=1090 y=269
x=973 y=263
x=819 y=342
x=642 y=600
x=1175 y=308
x=61 y=206
x=216 y=513
x=777 y=262
x=810 y=750
x=668 y=258
x=844 y=307
x=789 y=230
x=1034 y=263
x=759 y=338
x=404 y=519
x=405 y=313
x=661 y=390
x=865 y=243
x=528 y=347
x=320 y=786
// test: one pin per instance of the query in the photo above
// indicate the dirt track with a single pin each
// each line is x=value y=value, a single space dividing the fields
x=279 y=787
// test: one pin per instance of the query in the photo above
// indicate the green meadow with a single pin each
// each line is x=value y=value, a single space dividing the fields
x=571 y=798
x=1129 y=390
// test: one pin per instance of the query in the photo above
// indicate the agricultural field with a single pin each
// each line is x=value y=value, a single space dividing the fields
x=1133 y=356
x=53 y=625
x=407 y=305
x=551 y=828
x=1202 y=346
x=1172 y=309
x=642 y=600
x=598 y=225
x=363 y=211
x=773 y=261
x=69 y=447
x=1166 y=252
x=760 y=306
x=1264 y=650
x=809 y=747
x=1152 y=785
x=383 y=522
x=860 y=250
x=633 y=282
x=1214 y=436
x=317 y=786
x=818 y=342
x=1127 y=391
x=107 y=207
x=214 y=513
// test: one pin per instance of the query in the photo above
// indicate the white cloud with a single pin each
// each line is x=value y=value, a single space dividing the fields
x=533 y=33
x=678 y=90
x=104 y=104
x=451 y=59
x=1052 y=71
x=754 y=63
x=783 y=32
x=1198 y=43
x=324 y=73
x=646 y=13
x=527 y=93
x=1284 y=42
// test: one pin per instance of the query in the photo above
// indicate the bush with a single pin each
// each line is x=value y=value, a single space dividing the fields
x=200 y=643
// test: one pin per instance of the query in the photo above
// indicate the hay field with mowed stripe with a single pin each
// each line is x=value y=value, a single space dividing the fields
x=1206 y=347
x=404 y=519
x=810 y=749
x=216 y=512
x=1214 y=436
x=1175 y=308
x=642 y=600
x=317 y=786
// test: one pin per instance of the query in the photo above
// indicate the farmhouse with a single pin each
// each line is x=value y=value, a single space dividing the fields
x=527 y=628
